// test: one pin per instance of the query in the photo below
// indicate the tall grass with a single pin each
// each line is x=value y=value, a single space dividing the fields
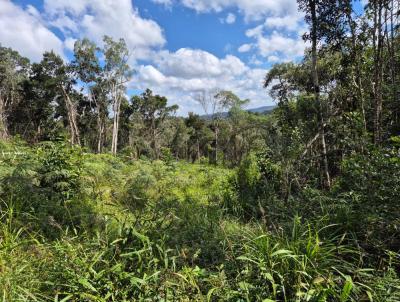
x=150 y=231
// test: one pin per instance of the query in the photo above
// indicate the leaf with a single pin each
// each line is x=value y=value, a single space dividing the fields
x=137 y=281
x=370 y=296
x=347 y=288
x=210 y=293
x=87 y=284
x=318 y=280
x=281 y=252
x=244 y=258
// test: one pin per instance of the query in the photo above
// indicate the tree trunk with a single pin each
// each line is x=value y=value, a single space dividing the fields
x=216 y=145
x=117 y=108
x=3 y=119
x=114 y=144
x=325 y=166
x=198 y=150
x=72 y=118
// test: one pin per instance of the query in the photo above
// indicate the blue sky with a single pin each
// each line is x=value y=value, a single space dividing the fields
x=179 y=47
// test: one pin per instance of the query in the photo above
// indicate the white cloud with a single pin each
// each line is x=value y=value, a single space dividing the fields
x=251 y=9
x=230 y=18
x=182 y=74
x=245 y=48
x=188 y=63
x=254 y=32
x=278 y=46
x=289 y=22
x=69 y=43
x=23 y=30
x=96 y=18
x=164 y=2
x=273 y=59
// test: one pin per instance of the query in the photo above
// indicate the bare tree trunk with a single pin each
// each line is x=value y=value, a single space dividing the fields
x=114 y=144
x=100 y=136
x=3 y=119
x=325 y=166
x=100 y=123
x=117 y=108
x=72 y=118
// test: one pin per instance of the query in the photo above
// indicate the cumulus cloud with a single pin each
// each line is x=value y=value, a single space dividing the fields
x=251 y=9
x=245 y=48
x=279 y=38
x=280 y=45
x=24 y=31
x=291 y=23
x=96 y=18
x=230 y=18
x=189 y=63
x=182 y=74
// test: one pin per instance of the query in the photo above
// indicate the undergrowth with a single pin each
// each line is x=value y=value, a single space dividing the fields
x=83 y=227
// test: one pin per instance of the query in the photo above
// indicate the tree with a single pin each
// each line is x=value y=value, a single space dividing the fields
x=117 y=74
x=213 y=107
x=13 y=70
x=199 y=136
x=35 y=115
x=310 y=7
x=59 y=80
x=152 y=110
x=87 y=67
x=377 y=9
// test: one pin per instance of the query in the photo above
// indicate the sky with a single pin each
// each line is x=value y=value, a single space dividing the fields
x=178 y=47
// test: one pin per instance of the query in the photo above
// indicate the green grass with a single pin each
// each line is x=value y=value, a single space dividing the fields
x=106 y=229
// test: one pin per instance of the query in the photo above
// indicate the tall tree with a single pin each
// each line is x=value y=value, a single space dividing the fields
x=60 y=81
x=89 y=71
x=214 y=102
x=198 y=135
x=13 y=69
x=310 y=7
x=117 y=74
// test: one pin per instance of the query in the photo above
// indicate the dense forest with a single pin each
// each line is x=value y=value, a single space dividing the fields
x=110 y=197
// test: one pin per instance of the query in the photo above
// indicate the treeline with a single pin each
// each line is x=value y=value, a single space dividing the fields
x=86 y=102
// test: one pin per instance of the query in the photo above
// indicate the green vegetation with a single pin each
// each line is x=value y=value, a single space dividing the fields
x=82 y=227
x=108 y=198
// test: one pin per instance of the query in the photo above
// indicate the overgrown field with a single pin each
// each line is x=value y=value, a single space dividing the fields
x=82 y=227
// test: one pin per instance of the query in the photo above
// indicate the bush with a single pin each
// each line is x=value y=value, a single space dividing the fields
x=44 y=188
x=371 y=186
x=257 y=185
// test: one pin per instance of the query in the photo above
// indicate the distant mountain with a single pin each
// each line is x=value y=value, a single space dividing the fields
x=259 y=110
x=263 y=109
